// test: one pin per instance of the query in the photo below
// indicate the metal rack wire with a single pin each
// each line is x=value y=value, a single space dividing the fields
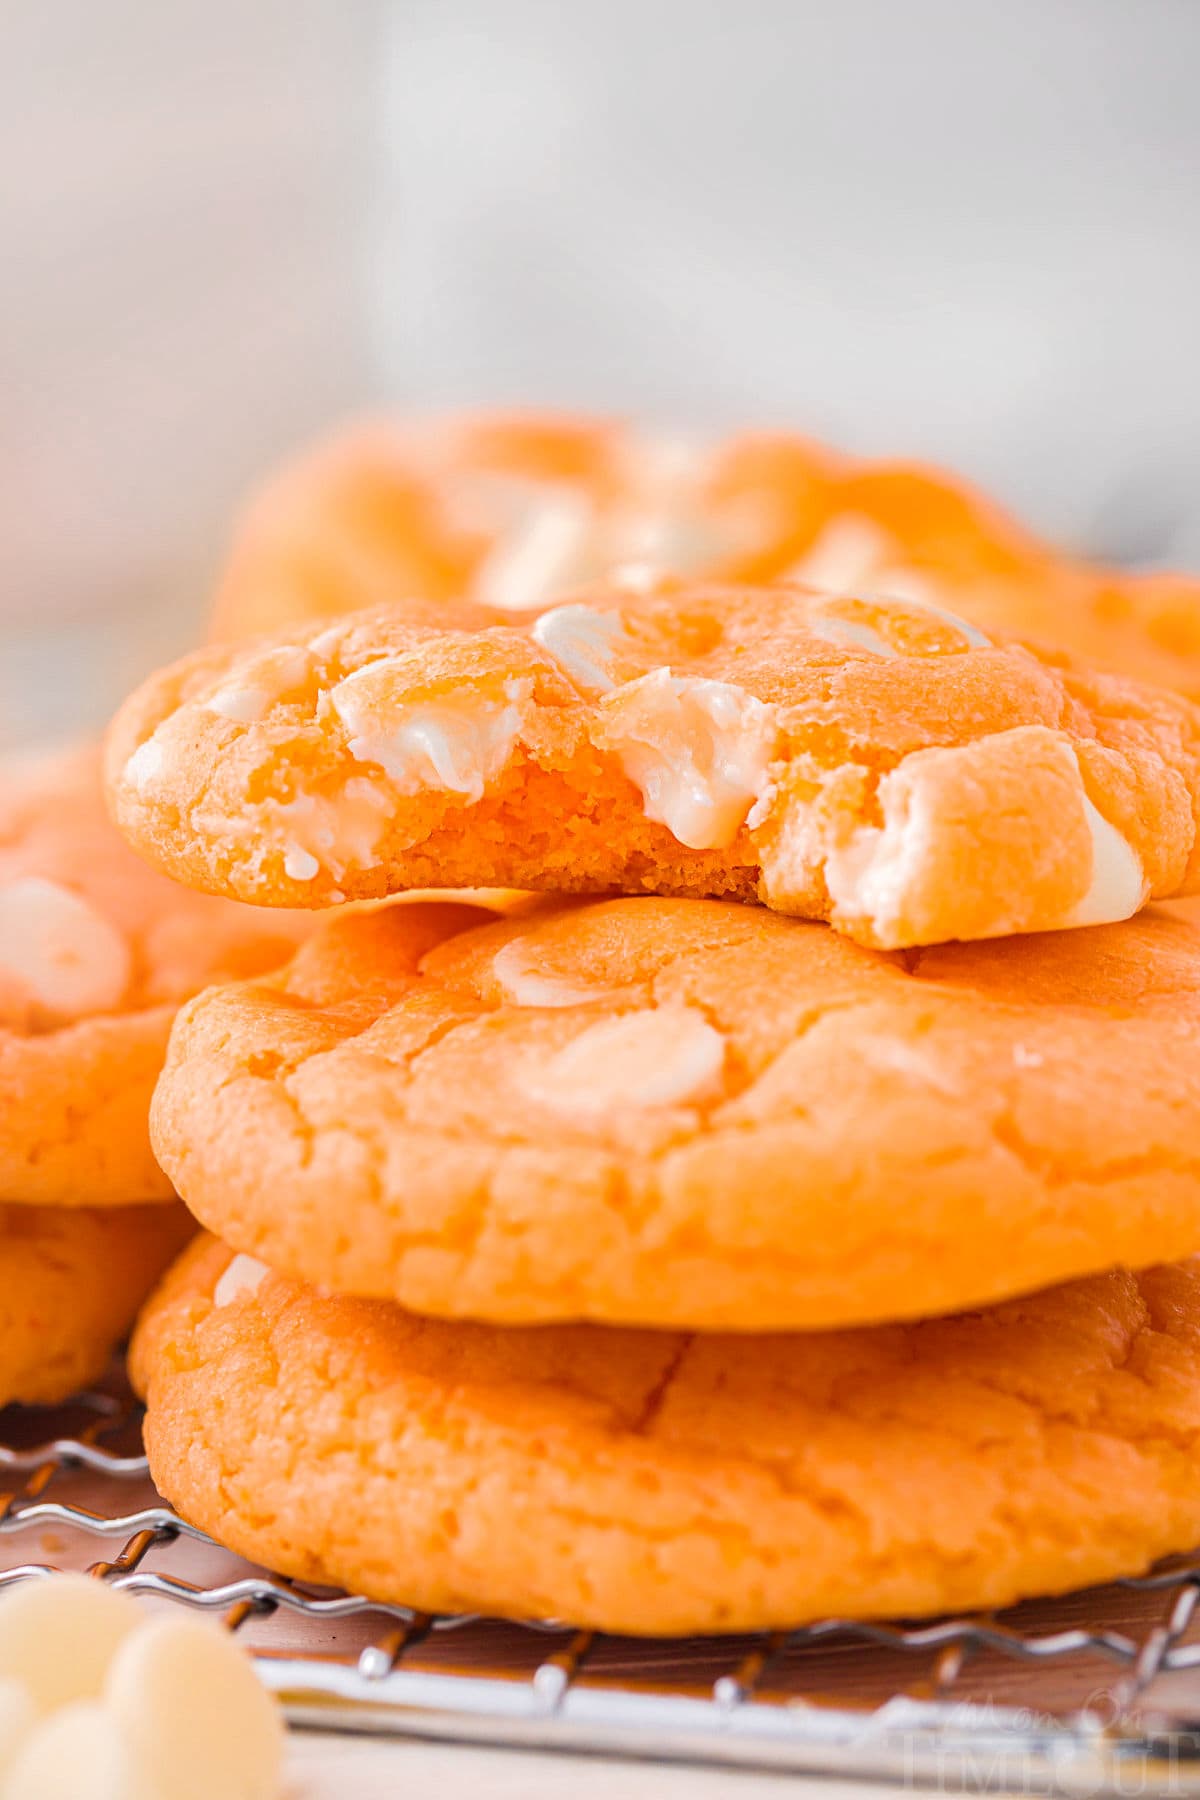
x=1096 y=1693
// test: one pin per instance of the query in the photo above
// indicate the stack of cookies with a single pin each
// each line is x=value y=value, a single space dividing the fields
x=780 y=1216
x=96 y=953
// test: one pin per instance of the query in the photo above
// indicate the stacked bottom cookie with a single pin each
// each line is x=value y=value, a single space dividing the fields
x=656 y=1482
x=771 y=1169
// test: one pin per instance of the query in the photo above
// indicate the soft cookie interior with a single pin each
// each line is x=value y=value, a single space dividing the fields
x=881 y=764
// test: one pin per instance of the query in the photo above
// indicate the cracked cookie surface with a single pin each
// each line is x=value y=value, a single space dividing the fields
x=71 y=1282
x=658 y=1483
x=692 y=1113
x=96 y=953
x=881 y=764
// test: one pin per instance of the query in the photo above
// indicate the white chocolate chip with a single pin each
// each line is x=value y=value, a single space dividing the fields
x=244 y=1275
x=1024 y=1058
x=852 y=634
x=300 y=864
x=636 y=577
x=550 y=550
x=856 y=634
x=684 y=542
x=496 y=503
x=1118 y=883
x=327 y=642
x=853 y=555
x=672 y=523
x=84 y=1753
x=897 y=1056
x=145 y=765
x=873 y=874
x=245 y=705
x=199 y=1721
x=520 y=980
x=59 y=951
x=667 y=1057
x=979 y=640
x=261 y=681
x=698 y=750
x=338 y=832
x=850 y=550
x=458 y=742
x=879 y=870
x=17 y=1718
x=584 y=642
x=59 y=1635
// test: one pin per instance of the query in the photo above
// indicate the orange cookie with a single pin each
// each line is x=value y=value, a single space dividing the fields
x=71 y=1282
x=96 y=952
x=880 y=764
x=511 y=509
x=691 y=1113
x=651 y=1482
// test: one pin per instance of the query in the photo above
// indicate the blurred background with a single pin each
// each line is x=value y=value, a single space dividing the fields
x=965 y=229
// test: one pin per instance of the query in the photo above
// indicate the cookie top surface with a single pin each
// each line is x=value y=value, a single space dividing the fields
x=96 y=952
x=656 y=1482
x=71 y=1281
x=692 y=1112
x=881 y=764
x=512 y=509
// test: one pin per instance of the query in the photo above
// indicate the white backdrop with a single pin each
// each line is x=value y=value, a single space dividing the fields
x=966 y=228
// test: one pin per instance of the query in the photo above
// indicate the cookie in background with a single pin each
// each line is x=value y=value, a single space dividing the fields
x=96 y=953
x=512 y=509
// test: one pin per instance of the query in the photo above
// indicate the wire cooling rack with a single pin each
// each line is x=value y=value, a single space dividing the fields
x=1098 y=1693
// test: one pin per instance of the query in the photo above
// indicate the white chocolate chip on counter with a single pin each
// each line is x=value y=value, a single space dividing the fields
x=244 y=1275
x=18 y=1715
x=100 y=1701
x=458 y=741
x=585 y=643
x=668 y=1056
x=59 y=1635
x=698 y=750
x=199 y=1721
x=81 y=1753
x=59 y=951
